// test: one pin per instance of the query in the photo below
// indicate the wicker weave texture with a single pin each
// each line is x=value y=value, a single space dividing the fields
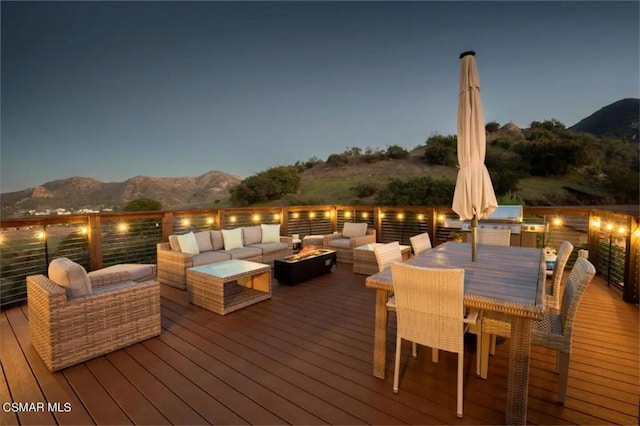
x=386 y=254
x=420 y=243
x=494 y=237
x=554 y=300
x=67 y=332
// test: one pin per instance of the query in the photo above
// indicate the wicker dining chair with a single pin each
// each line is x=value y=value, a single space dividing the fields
x=387 y=254
x=553 y=296
x=494 y=237
x=555 y=330
x=430 y=310
x=420 y=243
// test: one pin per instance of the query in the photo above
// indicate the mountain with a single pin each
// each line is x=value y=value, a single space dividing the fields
x=86 y=193
x=619 y=120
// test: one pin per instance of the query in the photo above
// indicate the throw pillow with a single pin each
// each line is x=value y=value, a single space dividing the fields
x=232 y=238
x=204 y=241
x=218 y=241
x=70 y=275
x=351 y=229
x=252 y=235
x=270 y=233
x=188 y=243
x=173 y=243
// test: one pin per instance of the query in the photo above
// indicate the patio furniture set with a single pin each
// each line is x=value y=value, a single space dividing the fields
x=437 y=294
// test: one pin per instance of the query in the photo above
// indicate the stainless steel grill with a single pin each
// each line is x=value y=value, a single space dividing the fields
x=523 y=234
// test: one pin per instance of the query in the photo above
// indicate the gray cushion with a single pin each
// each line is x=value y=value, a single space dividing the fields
x=218 y=241
x=210 y=257
x=270 y=247
x=70 y=275
x=244 y=252
x=352 y=229
x=251 y=235
x=344 y=243
x=137 y=271
x=203 y=239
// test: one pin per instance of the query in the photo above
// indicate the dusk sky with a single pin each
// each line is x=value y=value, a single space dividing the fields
x=113 y=90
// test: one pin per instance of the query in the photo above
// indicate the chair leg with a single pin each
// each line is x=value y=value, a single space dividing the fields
x=435 y=355
x=414 y=349
x=492 y=350
x=478 y=354
x=563 y=366
x=460 y=378
x=484 y=355
x=396 y=370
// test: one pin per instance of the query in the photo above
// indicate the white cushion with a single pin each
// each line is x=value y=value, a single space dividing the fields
x=351 y=229
x=232 y=238
x=188 y=243
x=70 y=275
x=251 y=235
x=270 y=233
x=204 y=241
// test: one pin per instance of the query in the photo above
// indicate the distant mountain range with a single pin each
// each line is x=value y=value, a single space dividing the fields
x=619 y=120
x=86 y=193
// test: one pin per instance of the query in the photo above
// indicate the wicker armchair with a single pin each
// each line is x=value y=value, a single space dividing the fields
x=66 y=331
x=430 y=310
x=495 y=237
x=555 y=329
x=344 y=242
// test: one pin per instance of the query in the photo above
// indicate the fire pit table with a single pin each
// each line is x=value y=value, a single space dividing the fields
x=303 y=266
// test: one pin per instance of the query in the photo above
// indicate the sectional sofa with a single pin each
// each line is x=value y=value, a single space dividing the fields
x=261 y=244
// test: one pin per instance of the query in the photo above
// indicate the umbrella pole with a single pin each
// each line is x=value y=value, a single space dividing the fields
x=474 y=238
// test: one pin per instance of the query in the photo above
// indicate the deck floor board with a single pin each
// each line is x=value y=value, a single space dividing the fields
x=305 y=357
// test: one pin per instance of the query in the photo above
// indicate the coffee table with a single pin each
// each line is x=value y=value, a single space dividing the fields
x=227 y=286
x=295 y=269
x=364 y=258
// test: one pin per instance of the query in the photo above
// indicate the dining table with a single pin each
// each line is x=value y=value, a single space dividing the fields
x=503 y=279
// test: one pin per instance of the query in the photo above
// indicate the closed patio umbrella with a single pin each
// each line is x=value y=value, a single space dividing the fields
x=473 y=197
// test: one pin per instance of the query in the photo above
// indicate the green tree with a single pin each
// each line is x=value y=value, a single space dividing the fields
x=396 y=152
x=143 y=205
x=418 y=191
x=337 y=160
x=268 y=185
x=441 y=150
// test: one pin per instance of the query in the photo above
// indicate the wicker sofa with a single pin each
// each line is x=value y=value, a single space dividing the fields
x=215 y=246
x=353 y=235
x=68 y=325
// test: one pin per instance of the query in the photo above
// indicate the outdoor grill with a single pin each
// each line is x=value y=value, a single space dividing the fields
x=523 y=234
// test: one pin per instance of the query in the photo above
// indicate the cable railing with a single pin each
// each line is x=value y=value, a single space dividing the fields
x=27 y=245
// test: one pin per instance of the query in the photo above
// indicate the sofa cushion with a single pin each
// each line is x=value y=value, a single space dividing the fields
x=251 y=235
x=138 y=272
x=188 y=243
x=244 y=252
x=70 y=275
x=352 y=229
x=210 y=257
x=270 y=233
x=344 y=243
x=217 y=240
x=203 y=239
x=270 y=247
x=173 y=243
x=232 y=238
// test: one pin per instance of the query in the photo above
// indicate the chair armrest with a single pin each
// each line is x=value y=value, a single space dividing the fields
x=109 y=278
x=171 y=256
x=328 y=237
x=365 y=239
x=287 y=240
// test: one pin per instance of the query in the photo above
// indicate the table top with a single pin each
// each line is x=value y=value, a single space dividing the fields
x=504 y=279
x=230 y=268
x=370 y=247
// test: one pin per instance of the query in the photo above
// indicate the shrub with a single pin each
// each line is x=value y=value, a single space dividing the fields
x=363 y=190
x=143 y=205
x=396 y=152
x=441 y=150
x=419 y=191
x=269 y=185
x=337 y=160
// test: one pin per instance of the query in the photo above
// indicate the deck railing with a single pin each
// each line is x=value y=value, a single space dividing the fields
x=611 y=236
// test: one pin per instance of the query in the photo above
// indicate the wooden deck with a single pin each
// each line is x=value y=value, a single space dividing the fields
x=305 y=357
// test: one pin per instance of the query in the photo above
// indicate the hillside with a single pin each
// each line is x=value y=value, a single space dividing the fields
x=619 y=120
x=86 y=193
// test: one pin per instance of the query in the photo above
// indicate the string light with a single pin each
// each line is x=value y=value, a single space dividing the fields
x=41 y=235
x=557 y=221
x=365 y=215
x=347 y=215
x=186 y=222
x=210 y=221
x=400 y=216
x=441 y=217
x=312 y=215
x=420 y=217
x=276 y=217
x=233 y=219
x=256 y=218
x=327 y=214
x=295 y=215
